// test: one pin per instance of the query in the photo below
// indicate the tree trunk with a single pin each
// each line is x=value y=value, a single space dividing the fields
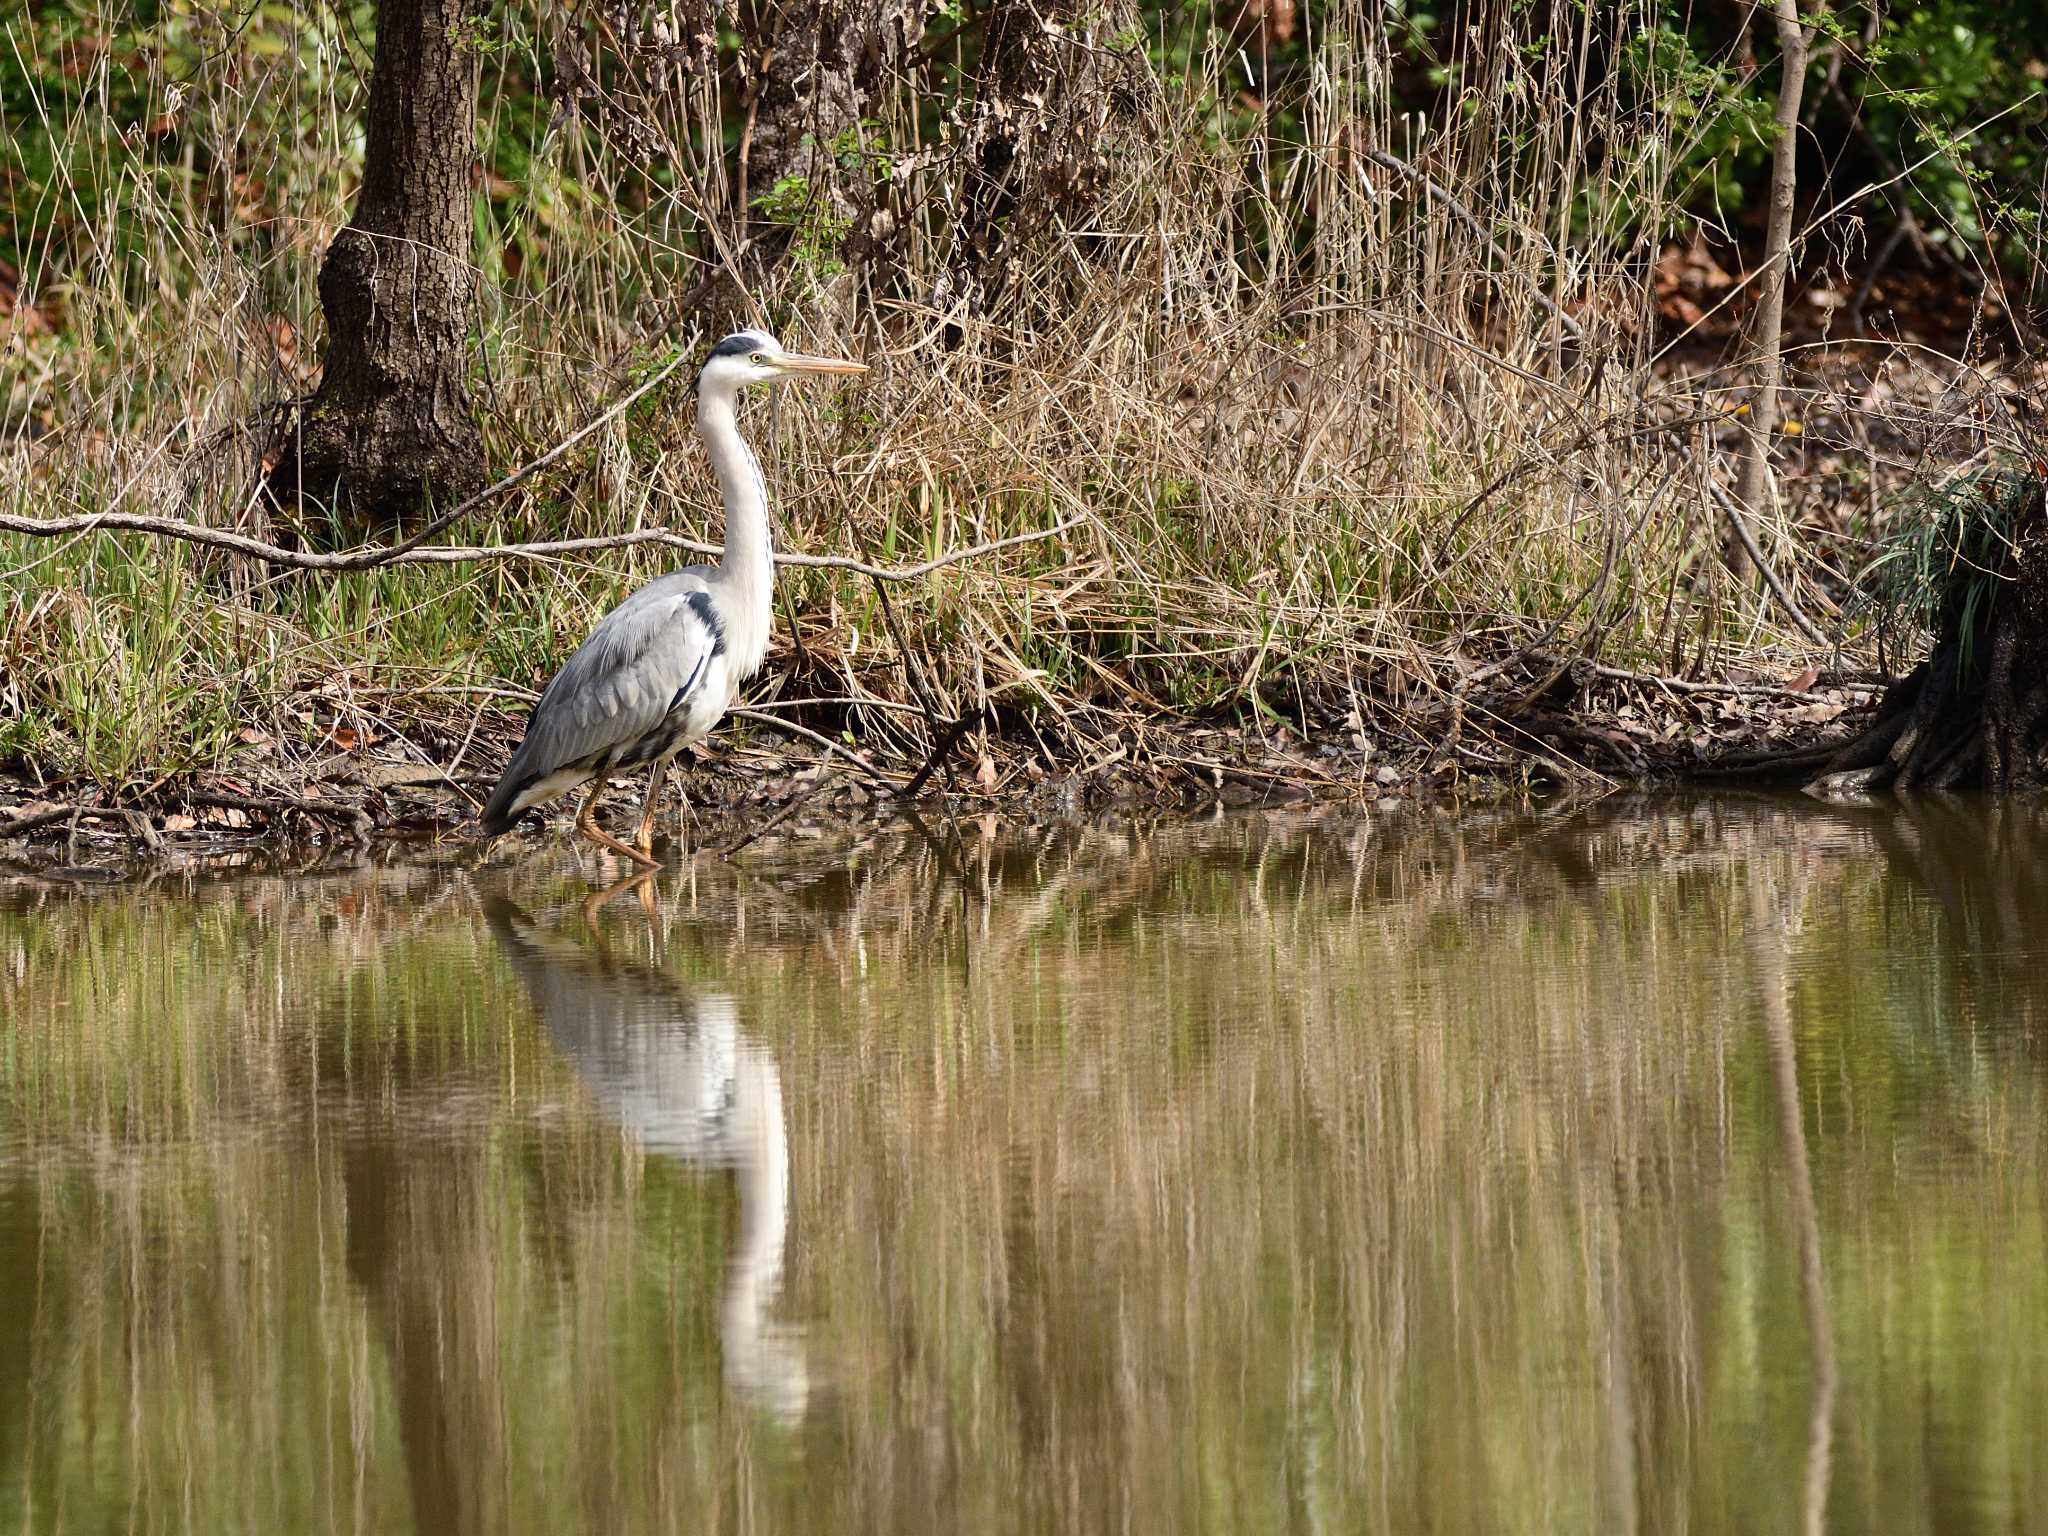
x=817 y=68
x=1039 y=140
x=1754 y=488
x=392 y=422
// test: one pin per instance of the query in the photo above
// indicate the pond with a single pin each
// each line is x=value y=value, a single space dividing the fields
x=1655 y=1164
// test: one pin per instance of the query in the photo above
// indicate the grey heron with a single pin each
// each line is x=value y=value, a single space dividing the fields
x=661 y=669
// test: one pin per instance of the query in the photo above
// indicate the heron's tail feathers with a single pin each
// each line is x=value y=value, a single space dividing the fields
x=502 y=811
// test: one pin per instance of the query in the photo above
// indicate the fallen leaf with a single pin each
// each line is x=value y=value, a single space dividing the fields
x=347 y=738
x=178 y=822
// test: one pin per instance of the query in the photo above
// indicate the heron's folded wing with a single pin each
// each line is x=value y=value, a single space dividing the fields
x=640 y=664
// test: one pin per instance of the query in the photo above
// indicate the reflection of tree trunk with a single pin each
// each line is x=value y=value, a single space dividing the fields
x=27 y=1295
x=1768 y=943
x=1058 y=1359
x=420 y=1245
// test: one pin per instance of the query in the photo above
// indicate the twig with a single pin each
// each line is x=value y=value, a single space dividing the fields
x=1740 y=524
x=840 y=700
x=790 y=727
x=910 y=673
x=1902 y=231
x=945 y=744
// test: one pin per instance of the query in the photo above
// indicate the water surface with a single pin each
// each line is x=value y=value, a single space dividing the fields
x=1650 y=1166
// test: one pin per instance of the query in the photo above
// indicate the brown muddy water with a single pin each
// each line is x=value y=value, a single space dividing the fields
x=1661 y=1166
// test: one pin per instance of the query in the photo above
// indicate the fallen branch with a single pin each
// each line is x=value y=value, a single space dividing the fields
x=25 y=824
x=410 y=553
x=1736 y=690
x=279 y=805
x=945 y=744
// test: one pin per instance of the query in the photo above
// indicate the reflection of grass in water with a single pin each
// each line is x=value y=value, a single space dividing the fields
x=415 y=1140
x=1227 y=1174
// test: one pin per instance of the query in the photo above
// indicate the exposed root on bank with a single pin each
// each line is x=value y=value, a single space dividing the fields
x=1972 y=715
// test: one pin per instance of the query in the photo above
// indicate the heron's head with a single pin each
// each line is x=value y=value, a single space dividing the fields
x=755 y=357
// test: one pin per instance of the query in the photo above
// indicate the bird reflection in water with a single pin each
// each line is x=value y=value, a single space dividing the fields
x=677 y=1070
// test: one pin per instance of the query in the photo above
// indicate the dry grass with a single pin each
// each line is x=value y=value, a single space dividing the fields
x=1333 y=441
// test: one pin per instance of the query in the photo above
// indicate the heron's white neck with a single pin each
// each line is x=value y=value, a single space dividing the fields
x=749 y=561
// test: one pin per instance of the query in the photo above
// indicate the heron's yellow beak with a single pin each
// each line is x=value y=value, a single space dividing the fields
x=799 y=362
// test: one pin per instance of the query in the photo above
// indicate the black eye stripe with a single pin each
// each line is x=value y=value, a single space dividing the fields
x=739 y=344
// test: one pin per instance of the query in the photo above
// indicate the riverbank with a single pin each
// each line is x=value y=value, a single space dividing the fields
x=1268 y=593
x=1276 y=456
x=1542 y=725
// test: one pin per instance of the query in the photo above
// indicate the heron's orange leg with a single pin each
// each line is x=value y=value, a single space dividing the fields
x=586 y=824
x=644 y=838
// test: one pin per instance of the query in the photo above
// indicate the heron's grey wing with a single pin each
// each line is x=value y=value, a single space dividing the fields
x=639 y=665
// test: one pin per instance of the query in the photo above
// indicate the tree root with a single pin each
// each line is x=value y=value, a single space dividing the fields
x=1974 y=715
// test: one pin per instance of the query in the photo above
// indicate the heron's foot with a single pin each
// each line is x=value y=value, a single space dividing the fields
x=586 y=823
x=643 y=839
x=644 y=861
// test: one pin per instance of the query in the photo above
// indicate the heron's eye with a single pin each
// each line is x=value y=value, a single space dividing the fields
x=761 y=358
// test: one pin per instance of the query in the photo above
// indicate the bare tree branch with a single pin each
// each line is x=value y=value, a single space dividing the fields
x=817 y=738
x=410 y=551
x=373 y=555
x=415 y=551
